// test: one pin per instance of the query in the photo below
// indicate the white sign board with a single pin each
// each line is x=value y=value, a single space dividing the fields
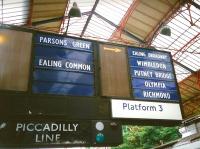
x=145 y=110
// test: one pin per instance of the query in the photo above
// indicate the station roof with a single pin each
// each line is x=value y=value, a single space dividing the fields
x=135 y=22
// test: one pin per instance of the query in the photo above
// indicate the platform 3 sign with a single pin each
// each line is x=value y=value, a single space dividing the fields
x=152 y=75
x=127 y=109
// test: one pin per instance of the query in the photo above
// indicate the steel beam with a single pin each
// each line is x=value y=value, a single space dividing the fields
x=54 y=19
x=188 y=44
x=194 y=4
x=89 y=18
x=117 y=26
x=183 y=66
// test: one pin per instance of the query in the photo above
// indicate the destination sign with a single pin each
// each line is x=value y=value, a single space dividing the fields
x=56 y=59
x=61 y=41
x=155 y=55
x=149 y=64
x=153 y=84
x=152 y=75
x=156 y=94
x=62 y=64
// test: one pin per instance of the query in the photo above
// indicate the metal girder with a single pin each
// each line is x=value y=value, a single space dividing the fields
x=154 y=32
x=126 y=17
x=29 y=20
x=188 y=44
x=117 y=26
x=194 y=4
x=47 y=21
x=185 y=67
x=89 y=18
x=54 y=19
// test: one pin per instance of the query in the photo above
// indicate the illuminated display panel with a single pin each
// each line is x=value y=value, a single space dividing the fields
x=63 y=66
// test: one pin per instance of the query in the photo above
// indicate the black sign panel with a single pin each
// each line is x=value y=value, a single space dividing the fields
x=40 y=133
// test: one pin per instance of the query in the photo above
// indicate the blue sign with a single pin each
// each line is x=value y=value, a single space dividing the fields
x=153 y=55
x=152 y=75
x=153 y=84
x=149 y=64
x=63 y=66
x=156 y=94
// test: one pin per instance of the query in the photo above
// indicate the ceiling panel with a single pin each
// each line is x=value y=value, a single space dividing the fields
x=48 y=9
x=14 y=12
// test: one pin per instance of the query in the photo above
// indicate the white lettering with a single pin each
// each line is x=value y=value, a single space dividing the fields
x=143 y=73
x=163 y=75
x=50 y=63
x=151 y=64
x=78 y=66
x=54 y=127
x=19 y=125
x=156 y=95
x=81 y=45
x=46 y=127
x=138 y=53
x=47 y=138
x=75 y=126
x=37 y=127
x=45 y=40
x=151 y=84
x=30 y=127
x=157 y=56
x=41 y=38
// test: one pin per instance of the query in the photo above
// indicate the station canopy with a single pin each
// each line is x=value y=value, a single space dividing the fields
x=132 y=22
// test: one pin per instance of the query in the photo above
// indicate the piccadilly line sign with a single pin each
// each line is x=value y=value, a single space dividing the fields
x=53 y=130
x=39 y=132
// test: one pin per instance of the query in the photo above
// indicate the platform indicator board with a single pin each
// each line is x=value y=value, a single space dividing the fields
x=152 y=75
x=63 y=66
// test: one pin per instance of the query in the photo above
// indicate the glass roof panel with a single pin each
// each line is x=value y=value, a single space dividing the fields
x=101 y=29
x=113 y=10
x=97 y=28
x=76 y=25
x=180 y=72
x=185 y=35
x=14 y=12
